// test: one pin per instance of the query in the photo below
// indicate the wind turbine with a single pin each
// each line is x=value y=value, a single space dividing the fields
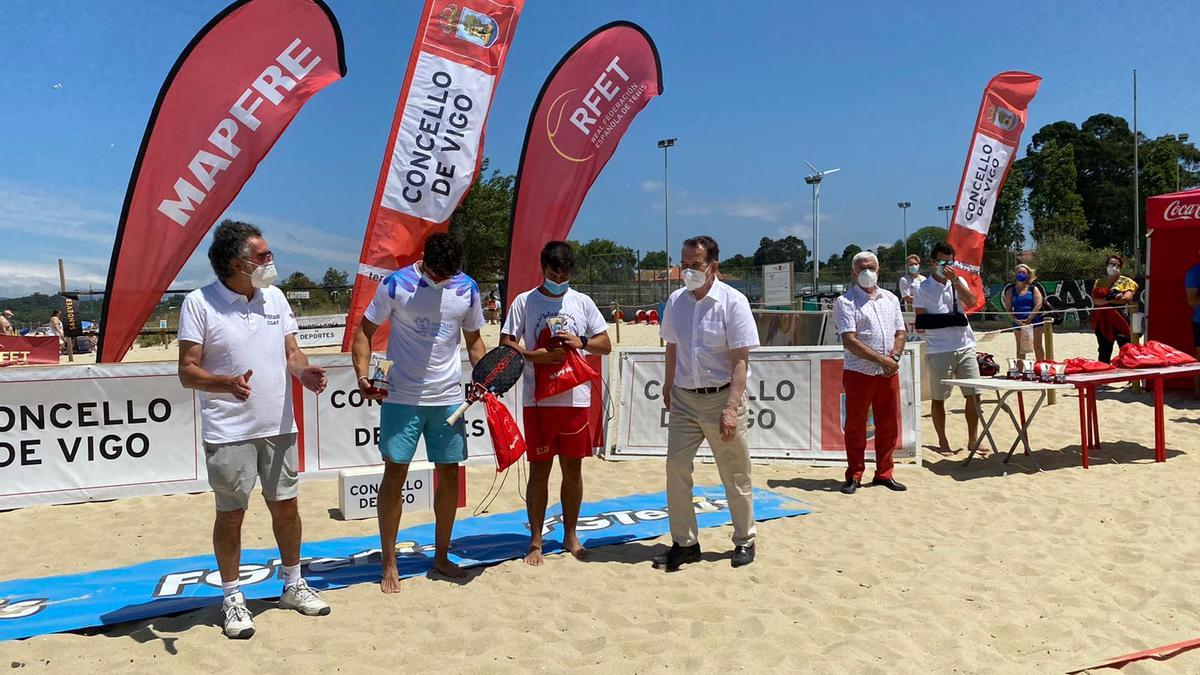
x=815 y=181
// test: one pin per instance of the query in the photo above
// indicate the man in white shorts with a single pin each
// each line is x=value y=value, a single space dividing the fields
x=237 y=347
x=950 y=348
x=426 y=306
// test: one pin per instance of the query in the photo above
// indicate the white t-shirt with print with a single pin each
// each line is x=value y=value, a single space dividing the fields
x=240 y=334
x=424 y=323
x=528 y=320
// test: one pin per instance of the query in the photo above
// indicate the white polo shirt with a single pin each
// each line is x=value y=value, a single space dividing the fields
x=424 y=323
x=704 y=331
x=528 y=321
x=937 y=297
x=239 y=335
x=908 y=285
x=875 y=318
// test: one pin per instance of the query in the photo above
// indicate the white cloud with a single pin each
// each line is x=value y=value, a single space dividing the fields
x=745 y=208
x=33 y=210
x=652 y=185
x=305 y=242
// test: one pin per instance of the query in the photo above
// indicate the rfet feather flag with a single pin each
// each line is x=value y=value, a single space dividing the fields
x=582 y=112
x=227 y=99
x=433 y=152
x=993 y=147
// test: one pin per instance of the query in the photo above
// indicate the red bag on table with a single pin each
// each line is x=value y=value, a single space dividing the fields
x=1079 y=365
x=1139 y=356
x=554 y=379
x=507 y=441
x=1171 y=355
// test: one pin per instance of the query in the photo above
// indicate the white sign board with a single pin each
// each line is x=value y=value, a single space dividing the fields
x=779 y=285
x=79 y=433
x=320 y=337
x=298 y=295
x=796 y=406
x=358 y=491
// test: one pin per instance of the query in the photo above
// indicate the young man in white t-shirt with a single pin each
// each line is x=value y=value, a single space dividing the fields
x=542 y=324
x=425 y=306
x=237 y=347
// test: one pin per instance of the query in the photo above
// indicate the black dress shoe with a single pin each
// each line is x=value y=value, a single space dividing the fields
x=849 y=487
x=660 y=560
x=743 y=555
x=682 y=555
x=889 y=483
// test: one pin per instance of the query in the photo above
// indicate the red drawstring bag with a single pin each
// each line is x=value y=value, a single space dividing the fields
x=1078 y=365
x=553 y=379
x=507 y=440
x=1138 y=356
x=1171 y=355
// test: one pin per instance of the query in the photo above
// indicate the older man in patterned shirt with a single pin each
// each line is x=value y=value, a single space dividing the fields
x=871 y=326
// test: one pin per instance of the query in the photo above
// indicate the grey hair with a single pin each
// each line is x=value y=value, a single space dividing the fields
x=862 y=256
x=231 y=240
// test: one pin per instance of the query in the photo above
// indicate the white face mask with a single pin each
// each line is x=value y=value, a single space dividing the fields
x=868 y=278
x=694 y=279
x=263 y=275
x=1113 y=270
x=913 y=269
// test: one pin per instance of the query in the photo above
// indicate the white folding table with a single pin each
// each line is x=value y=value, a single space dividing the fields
x=1005 y=388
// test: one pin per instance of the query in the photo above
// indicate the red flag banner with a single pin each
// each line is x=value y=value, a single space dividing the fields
x=433 y=152
x=989 y=159
x=227 y=99
x=583 y=110
x=18 y=350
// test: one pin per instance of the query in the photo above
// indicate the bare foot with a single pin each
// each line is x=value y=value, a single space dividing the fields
x=944 y=448
x=576 y=549
x=444 y=567
x=390 y=583
x=534 y=556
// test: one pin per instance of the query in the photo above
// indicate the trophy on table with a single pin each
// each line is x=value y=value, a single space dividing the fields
x=380 y=369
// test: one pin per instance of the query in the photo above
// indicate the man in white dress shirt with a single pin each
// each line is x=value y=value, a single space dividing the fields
x=709 y=331
x=871 y=326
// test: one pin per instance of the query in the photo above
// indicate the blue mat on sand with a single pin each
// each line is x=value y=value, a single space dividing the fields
x=31 y=607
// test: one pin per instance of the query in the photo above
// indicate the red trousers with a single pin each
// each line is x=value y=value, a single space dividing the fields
x=863 y=394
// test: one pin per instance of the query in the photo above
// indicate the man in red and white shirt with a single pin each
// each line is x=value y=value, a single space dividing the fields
x=871 y=326
x=542 y=324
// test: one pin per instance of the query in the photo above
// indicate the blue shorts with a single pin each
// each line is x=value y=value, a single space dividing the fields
x=401 y=426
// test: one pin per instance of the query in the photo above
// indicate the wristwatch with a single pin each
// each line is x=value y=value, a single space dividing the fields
x=896 y=358
x=583 y=343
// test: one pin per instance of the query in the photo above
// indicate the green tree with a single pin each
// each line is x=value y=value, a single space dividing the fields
x=922 y=241
x=1054 y=201
x=603 y=261
x=1060 y=256
x=482 y=222
x=335 y=278
x=297 y=281
x=789 y=249
x=1007 y=231
x=737 y=262
x=654 y=260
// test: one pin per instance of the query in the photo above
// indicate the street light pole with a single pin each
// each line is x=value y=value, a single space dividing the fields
x=664 y=144
x=815 y=181
x=946 y=209
x=904 y=207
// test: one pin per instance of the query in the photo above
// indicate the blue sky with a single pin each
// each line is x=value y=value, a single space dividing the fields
x=885 y=91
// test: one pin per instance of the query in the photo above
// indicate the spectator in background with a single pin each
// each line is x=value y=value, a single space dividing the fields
x=56 y=327
x=872 y=330
x=950 y=342
x=909 y=282
x=6 y=327
x=1023 y=302
x=1111 y=295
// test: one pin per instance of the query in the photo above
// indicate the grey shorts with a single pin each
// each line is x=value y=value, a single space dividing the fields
x=233 y=469
x=951 y=365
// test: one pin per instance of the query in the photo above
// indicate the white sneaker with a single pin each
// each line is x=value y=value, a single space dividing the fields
x=304 y=600
x=238 y=623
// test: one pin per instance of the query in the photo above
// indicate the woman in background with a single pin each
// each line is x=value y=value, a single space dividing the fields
x=1110 y=296
x=1023 y=303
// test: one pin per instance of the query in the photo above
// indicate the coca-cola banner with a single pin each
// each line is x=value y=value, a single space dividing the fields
x=583 y=110
x=433 y=152
x=993 y=148
x=229 y=96
x=1172 y=251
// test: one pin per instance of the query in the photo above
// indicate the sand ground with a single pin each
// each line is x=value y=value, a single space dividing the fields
x=969 y=571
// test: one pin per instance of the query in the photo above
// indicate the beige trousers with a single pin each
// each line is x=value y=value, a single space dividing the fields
x=695 y=418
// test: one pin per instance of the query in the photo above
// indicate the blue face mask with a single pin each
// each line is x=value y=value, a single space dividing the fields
x=555 y=287
x=1021 y=276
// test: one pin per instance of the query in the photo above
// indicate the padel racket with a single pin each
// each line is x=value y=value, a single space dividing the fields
x=496 y=372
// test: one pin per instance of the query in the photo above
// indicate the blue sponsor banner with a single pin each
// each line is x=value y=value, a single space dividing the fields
x=31 y=607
